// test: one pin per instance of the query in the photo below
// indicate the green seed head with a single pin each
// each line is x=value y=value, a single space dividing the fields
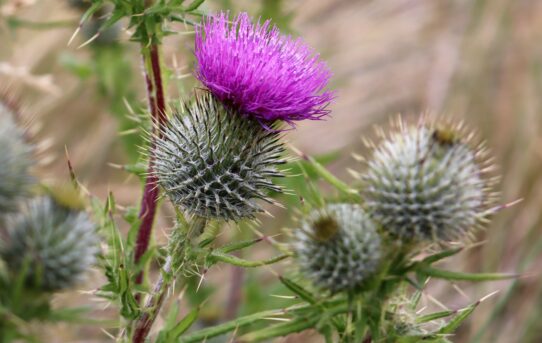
x=215 y=163
x=427 y=183
x=15 y=162
x=338 y=247
x=55 y=245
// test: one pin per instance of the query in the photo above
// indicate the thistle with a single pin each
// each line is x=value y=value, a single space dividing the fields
x=338 y=247
x=213 y=163
x=54 y=245
x=15 y=162
x=427 y=183
x=254 y=68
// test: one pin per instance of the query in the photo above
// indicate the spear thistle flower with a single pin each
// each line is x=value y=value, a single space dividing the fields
x=255 y=69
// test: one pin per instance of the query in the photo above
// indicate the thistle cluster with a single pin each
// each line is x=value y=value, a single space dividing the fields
x=218 y=153
x=42 y=239
x=424 y=184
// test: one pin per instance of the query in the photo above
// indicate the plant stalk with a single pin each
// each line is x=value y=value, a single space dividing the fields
x=178 y=242
x=157 y=107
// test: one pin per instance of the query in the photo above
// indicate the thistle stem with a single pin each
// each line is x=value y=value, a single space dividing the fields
x=174 y=261
x=153 y=304
x=157 y=106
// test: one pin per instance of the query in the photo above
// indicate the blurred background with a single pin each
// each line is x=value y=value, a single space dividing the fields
x=478 y=61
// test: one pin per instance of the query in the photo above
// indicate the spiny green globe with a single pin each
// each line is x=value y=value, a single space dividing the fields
x=338 y=247
x=426 y=183
x=15 y=162
x=57 y=244
x=215 y=163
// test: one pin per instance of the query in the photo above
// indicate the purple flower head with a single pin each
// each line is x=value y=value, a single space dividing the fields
x=264 y=74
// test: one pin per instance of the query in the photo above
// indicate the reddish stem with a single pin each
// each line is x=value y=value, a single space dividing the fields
x=157 y=107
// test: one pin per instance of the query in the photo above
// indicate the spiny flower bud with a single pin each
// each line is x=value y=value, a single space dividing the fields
x=338 y=247
x=426 y=183
x=56 y=244
x=15 y=161
x=215 y=163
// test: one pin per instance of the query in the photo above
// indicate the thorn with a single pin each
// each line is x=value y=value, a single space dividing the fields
x=278 y=319
x=488 y=296
x=92 y=39
x=503 y=206
x=128 y=107
x=436 y=302
x=128 y=132
x=70 y=168
x=283 y=296
x=115 y=166
x=298 y=152
x=108 y=334
x=353 y=173
x=460 y=291
x=74 y=34
x=201 y=279
x=358 y=157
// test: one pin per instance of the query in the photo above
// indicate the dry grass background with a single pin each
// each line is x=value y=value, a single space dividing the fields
x=477 y=60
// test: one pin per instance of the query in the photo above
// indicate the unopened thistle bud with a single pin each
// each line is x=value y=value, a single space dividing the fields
x=427 y=183
x=55 y=245
x=215 y=163
x=338 y=247
x=15 y=162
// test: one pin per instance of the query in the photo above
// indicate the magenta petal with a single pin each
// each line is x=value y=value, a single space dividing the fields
x=264 y=74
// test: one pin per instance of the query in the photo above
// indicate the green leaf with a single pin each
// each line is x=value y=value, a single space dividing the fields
x=205 y=334
x=295 y=325
x=172 y=332
x=440 y=256
x=326 y=175
x=137 y=169
x=458 y=276
x=236 y=261
x=194 y=5
x=91 y=10
x=283 y=329
x=453 y=324
x=435 y=316
x=298 y=290
x=185 y=323
x=239 y=245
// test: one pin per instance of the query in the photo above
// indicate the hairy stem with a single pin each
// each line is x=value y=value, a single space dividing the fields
x=153 y=304
x=174 y=261
x=157 y=106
